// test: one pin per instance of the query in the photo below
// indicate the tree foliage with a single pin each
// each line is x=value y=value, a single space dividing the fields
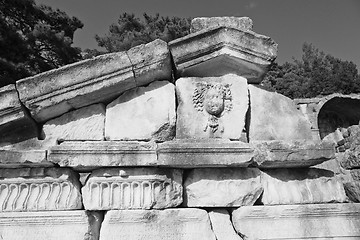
x=316 y=74
x=131 y=31
x=34 y=39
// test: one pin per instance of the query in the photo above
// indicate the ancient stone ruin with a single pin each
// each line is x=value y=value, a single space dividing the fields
x=177 y=141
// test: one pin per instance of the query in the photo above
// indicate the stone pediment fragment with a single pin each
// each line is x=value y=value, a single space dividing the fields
x=218 y=51
x=94 y=154
x=201 y=23
x=36 y=189
x=133 y=188
x=309 y=221
x=95 y=80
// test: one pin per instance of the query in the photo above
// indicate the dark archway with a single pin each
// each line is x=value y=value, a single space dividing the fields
x=338 y=112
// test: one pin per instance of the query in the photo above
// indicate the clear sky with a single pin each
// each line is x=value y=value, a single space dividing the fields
x=331 y=25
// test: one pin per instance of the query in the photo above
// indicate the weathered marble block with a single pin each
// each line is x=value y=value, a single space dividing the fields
x=212 y=107
x=13 y=158
x=290 y=154
x=222 y=225
x=222 y=187
x=95 y=154
x=275 y=117
x=168 y=224
x=133 y=188
x=301 y=186
x=54 y=225
x=37 y=189
x=87 y=123
x=218 y=51
x=145 y=113
x=352 y=185
x=310 y=221
x=201 y=23
x=188 y=153
x=15 y=124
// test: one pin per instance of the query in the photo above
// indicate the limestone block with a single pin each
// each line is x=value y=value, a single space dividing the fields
x=53 y=93
x=310 y=221
x=212 y=107
x=26 y=158
x=275 y=117
x=15 y=124
x=87 y=123
x=352 y=185
x=189 y=153
x=289 y=154
x=222 y=225
x=151 y=62
x=37 y=189
x=133 y=188
x=301 y=186
x=201 y=23
x=94 y=154
x=219 y=51
x=145 y=113
x=54 y=225
x=222 y=187
x=351 y=158
x=168 y=224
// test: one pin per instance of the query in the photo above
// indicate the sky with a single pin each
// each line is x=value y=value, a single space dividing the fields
x=332 y=26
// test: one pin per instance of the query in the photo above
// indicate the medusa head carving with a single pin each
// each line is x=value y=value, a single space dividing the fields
x=215 y=99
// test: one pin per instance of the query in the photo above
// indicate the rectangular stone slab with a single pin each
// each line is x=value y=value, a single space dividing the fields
x=95 y=154
x=54 y=225
x=133 y=188
x=26 y=158
x=168 y=224
x=39 y=189
x=197 y=153
x=310 y=221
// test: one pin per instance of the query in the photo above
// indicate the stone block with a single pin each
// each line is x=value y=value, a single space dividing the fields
x=275 y=117
x=168 y=224
x=87 y=123
x=222 y=225
x=219 y=51
x=53 y=93
x=133 y=188
x=351 y=158
x=54 y=225
x=93 y=154
x=301 y=186
x=145 y=113
x=189 y=153
x=290 y=154
x=310 y=221
x=352 y=185
x=151 y=62
x=38 y=189
x=201 y=23
x=23 y=158
x=212 y=107
x=222 y=187
x=15 y=124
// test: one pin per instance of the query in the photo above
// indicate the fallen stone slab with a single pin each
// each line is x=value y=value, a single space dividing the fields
x=291 y=154
x=189 y=153
x=87 y=123
x=301 y=186
x=275 y=117
x=94 y=154
x=352 y=185
x=133 y=188
x=222 y=187
x=211 y=107
x=201 y=23
x=219 y=51
x=168 y=224
x=222 y=225
x=53 y=225
x=144 y=113
x=38 y=189
x=15 y=124
x=23 y=158
x=310 y=221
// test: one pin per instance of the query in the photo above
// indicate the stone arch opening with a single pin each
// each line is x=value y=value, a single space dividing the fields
x=338 y=112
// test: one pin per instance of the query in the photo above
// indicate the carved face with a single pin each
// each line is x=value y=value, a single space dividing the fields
x=214 y=101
